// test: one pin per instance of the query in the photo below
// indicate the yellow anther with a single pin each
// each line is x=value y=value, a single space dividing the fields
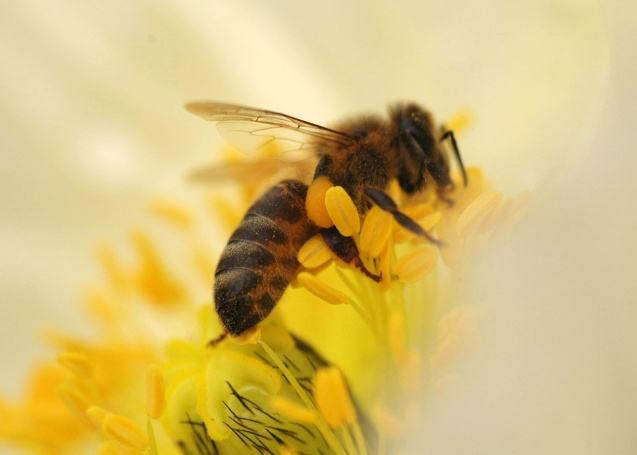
x=125 y=432
x=314 y=253
x=332 y=397
x=315 y=202
x=397 y=336
x=476 y=212
x=96 y=415
x=342 y=211
x=77 y=363
x=109 y=448
x=292 y=410
x=416 y=264
x=320 y=289
x=155 y=393
x=76 y=400
x=460 y=121
x=173 y=212
x=375 y=232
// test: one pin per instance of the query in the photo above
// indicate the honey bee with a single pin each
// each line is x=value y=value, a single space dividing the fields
x=362 y=155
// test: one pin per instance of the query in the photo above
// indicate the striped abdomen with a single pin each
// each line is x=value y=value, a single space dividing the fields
x=260 y=259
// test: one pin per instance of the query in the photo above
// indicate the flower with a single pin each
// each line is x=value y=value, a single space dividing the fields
x=152 y=381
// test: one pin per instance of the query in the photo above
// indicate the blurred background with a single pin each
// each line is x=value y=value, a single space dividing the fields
x=92 y=126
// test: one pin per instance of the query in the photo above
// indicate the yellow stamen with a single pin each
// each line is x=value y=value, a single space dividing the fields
x=292 y=410
x=476 y=212
x=397 y=336
x=315 y=202
x=155 y=395
x=173 y=212
x=314 y=253
x=112 y=267
x=332 y=397
x=153 y=279
x=109 y=448
x=342 y=211
x=76 y=363
x=76 y=400
x=96 y=415
x=416 y=264
x=124 y=431
x=320 y=289
x=376 y=230
x=460 y=121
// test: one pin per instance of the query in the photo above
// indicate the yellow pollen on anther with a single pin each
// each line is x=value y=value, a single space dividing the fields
x=315 y=202
x=173 y=212
x=96 y=415
x=321 y=289
x=332 y=397
x=342 y=211
x=77 y=363
x=109 y=448
x=476 y=212
x=416 y=264
x=155 y=393
x=75 y=400
x=376 y=230
x=314 y=253
x=292 y=410
x=124 y=431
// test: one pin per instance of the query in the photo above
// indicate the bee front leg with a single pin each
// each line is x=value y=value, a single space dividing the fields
x=346 y=250
x=382 y=200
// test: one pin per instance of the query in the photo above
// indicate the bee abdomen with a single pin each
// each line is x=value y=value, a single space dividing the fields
x=260 y=259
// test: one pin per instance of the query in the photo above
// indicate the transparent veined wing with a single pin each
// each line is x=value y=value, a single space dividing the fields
x=252 y=130
x=250 y=171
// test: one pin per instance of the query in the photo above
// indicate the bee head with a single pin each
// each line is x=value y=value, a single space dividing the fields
x=421 y=156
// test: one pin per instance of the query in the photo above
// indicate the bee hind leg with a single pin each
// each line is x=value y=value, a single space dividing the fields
x=346 y=250
x=382 y=200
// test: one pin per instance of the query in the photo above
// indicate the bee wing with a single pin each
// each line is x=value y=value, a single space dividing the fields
x=251 y=171
x=251 y=129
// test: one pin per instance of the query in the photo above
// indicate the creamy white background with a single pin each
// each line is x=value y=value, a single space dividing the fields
x=92 y=125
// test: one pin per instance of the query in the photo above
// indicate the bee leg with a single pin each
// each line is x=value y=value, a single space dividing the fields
x=448 y=134
x=346 y=250
x=382 y=200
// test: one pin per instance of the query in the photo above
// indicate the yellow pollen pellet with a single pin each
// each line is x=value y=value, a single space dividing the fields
x=415 y=264
x=342 y=211
x=376 y=230
x=124 y=431
x=332 y=397
x=315 y=202
x=293 y=411
x=77 y=363
x=320 y=289
x=476 y=212
x=96 y=415
x=155 y=394
x=314 y=253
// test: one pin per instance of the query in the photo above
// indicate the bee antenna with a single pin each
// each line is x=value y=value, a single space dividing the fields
x=448 y=134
